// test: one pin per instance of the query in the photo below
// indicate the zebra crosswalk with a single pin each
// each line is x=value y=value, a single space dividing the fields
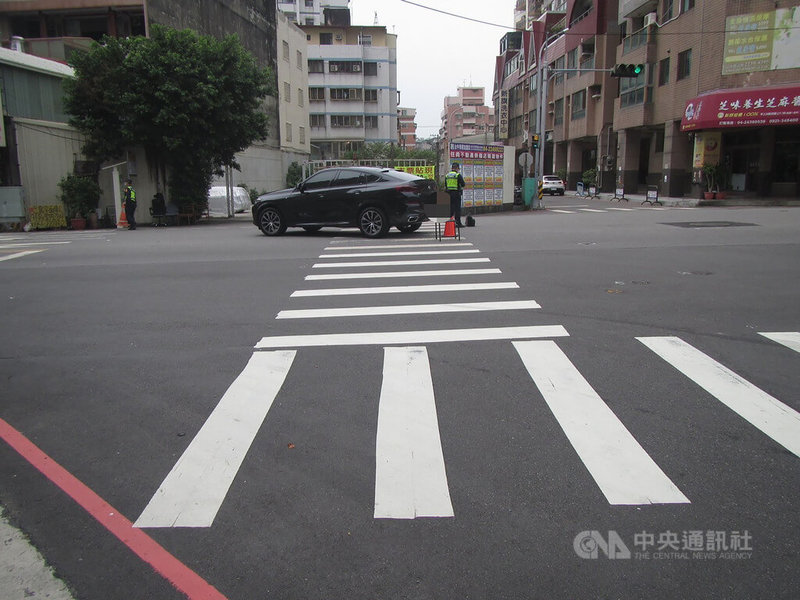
x=411 y=476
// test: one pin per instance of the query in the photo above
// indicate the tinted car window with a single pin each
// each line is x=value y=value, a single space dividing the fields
x=319 y=180
x=402 y=175
x=349 y=177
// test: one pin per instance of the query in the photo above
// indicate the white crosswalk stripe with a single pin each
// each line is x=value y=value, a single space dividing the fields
x=622 y=469
x=408 y=309
x=410 y=478
x=790 y=339
x=193 y=491
x=405 y=289
x=770 y=415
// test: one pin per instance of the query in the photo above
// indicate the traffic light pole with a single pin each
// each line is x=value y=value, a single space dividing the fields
x=543 y=77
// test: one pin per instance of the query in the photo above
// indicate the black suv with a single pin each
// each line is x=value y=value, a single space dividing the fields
x=369 y=198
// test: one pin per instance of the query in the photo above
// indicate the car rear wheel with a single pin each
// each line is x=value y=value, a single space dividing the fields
x=409 y=228
x=271 y=222
x=373 y=222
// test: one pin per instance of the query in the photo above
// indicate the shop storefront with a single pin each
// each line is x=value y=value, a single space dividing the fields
x=752 y=133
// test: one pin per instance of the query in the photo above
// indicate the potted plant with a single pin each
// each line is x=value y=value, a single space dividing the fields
x=710 y=175
x=81 y=196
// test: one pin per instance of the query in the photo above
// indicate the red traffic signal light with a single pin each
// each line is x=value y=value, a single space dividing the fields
x=627 y=70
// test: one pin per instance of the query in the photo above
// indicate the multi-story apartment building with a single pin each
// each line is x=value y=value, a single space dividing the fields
x=407 y=127
x=292 y=80
x=309 y=12
x=721 y=86
x=352 y=87
x=576 y=42
x=466 y=114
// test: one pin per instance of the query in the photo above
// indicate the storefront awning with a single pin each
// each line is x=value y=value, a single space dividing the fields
x=743 y=107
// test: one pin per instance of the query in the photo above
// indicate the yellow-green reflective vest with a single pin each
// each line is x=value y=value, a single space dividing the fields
x=451 y=181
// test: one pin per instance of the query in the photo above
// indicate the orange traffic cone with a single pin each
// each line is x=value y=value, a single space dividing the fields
x=449 y=229
x=123 y=219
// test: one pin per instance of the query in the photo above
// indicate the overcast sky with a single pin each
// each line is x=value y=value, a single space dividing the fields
x=437 y=53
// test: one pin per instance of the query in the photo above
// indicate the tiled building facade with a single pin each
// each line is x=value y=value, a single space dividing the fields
x=731 y=60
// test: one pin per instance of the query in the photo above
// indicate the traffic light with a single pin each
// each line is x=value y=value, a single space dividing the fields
x=535 y=141
x=627 y=70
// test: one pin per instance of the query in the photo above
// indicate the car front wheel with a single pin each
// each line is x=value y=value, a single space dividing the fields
x=373 y=222
x=271 y=222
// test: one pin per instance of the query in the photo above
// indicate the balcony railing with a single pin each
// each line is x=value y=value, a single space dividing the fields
x=635 y=40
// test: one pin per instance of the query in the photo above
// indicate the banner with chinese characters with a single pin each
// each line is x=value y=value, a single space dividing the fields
x=424 y=171
x=762 y=41
x=482 y=170
x=502 y=118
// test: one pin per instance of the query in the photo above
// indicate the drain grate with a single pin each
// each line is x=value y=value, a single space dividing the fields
x=701 y=224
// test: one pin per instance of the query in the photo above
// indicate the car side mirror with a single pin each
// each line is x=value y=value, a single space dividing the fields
x=301 y=187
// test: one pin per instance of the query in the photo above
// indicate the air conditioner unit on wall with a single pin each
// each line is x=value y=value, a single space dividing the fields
x=650 y=19
x=356 y=67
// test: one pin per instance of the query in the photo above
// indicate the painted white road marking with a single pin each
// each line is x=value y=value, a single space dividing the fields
x=407 y=309
x=384 y=246
x=19 y=254
x=390 y=274
x=193 y=491
x=384 y=263
x=401 y=253
x=790 y=339
x=770 y=415
x=412 y=337
x=405 y=289
x=410 y=476
x=566 y=212
x=619 y=465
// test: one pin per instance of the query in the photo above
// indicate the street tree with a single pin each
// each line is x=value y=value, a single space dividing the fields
x=191 y=101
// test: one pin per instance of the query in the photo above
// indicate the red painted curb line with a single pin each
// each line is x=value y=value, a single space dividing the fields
x=145 y=547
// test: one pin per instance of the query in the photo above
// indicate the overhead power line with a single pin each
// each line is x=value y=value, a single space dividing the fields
x=444 y=12
x=507 y=28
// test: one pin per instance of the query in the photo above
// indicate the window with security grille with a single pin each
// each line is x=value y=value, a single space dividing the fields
x=684 y=64
x=346 y=94
x=317 y=121
x=370 y=95
x=316 y=66
x=340 y=121
x=316 y=94
x=578 y=105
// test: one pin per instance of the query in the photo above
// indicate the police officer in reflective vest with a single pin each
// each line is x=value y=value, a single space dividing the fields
x=129 y=198
x=454 y=183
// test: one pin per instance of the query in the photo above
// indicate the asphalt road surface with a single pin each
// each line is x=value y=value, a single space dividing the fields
x=598 y=400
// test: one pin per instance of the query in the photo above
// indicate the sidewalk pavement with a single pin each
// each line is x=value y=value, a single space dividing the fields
x=730 y=200
x=23 y=571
